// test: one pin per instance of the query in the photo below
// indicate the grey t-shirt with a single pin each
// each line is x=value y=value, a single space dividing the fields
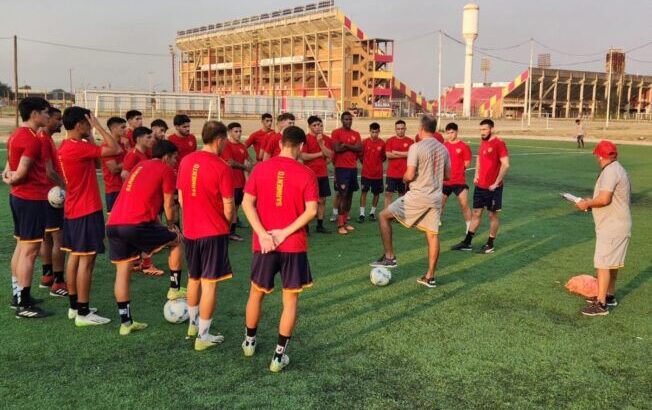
x=615 y=218
x=430 y=158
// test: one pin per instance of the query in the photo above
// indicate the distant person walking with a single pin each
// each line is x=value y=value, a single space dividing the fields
x=579 y=126
x=610 y=206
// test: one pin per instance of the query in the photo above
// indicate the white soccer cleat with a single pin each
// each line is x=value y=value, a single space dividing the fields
x=249 y=348
x=72 y=313
x=278 y=365
x=91 y=319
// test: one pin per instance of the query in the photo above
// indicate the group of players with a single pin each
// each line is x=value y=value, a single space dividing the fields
x=155 y=183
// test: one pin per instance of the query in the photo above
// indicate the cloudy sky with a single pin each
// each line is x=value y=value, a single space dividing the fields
x=575 y=30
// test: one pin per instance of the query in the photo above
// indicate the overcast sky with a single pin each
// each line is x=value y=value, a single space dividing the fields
x=148 y=26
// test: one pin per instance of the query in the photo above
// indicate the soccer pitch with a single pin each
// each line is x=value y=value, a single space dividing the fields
x=498 y=331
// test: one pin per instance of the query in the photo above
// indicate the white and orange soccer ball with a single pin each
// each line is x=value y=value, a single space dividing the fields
x=176 y=311
x=56 y=197
x=380 y=276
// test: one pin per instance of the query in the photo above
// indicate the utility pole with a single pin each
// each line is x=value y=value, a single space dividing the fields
x=72 y=95
x=16 y=77
x=174 y=77
x=611 y=64
x=273 y=69
x=439 y=86
x=529 y=80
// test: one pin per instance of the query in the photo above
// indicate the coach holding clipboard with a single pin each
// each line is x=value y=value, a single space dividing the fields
x=610 y=206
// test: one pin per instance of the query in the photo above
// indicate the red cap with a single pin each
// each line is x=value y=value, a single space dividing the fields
x=605 y=149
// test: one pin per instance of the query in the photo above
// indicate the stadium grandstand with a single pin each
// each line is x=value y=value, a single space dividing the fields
x=313 y=50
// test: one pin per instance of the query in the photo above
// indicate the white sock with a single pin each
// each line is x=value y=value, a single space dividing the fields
x=335 y=211
x=373 y=211
x=468 y=224
x=14 y=286
x=193 y=314
x=361 y=211
x=204 y=327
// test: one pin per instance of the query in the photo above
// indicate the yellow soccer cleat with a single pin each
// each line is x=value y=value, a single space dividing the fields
x=208 y=342
x=279 y=364
x=176 y=293
x=133 y=327
x=193 y=330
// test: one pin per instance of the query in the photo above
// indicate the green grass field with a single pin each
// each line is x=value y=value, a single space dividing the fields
x=499 y=330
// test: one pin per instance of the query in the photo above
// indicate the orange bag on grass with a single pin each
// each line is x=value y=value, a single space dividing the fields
x=583 y=285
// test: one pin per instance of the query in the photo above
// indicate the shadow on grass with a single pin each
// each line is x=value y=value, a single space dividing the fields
x=482 y=272
x=636 y=282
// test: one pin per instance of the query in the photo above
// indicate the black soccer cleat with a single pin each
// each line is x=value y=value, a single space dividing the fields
x=31 y=312
x=361 y=219
x=486 y=248
x=611 y=300
x=384 y=262
x=372 y=217
x=321 y=229
x=462 y=246
x=14 y=302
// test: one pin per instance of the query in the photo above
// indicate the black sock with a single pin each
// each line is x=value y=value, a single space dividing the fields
x=320 y=223
x=469 y=237
x=58 y=277
x=25 y=297
x=251 y=332
x=490 y=241
x=281 y=346
x=73 y=301
x=233 y=228
x=124 y=309
x=47 y=270
x=83 y=309
x=175 y=279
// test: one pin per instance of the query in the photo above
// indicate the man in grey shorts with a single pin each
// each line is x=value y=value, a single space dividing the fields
x=610 y=206
x=428 y=165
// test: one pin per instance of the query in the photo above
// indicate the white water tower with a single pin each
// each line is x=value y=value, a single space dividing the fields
x=470 y=32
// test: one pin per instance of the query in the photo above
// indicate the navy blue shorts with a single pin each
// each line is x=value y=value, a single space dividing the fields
x=53 y=219
x=347 y=180
x=110 y=200
x=84 y=235
x=127 y=242
x=395 y=185
x=238 y=195
x=324 y=187
x=484 y=198
x=30 y=217
x=454 y=189
x=294 y=269
x=208 y=258
x=375 y=185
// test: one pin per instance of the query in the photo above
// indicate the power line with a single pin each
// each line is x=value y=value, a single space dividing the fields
x=100 y=50
x=565 y=52
x=639 y=61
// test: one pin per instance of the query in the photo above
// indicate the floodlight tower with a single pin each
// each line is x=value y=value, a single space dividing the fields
x=470 y=32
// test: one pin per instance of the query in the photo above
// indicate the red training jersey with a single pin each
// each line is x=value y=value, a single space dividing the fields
x=203 y=180
x=272 y=146
x=490 y=153
x=129 y=134
x=318 y=165
x=24 y=142
x=438 y=137
x=396 y=166
x=133 y=158
x=373 y=156
x=237 y=152
x=346 y=159
x=282 y=186
x=141 y=196
x=185 y=145
x=77 y=159
x=49 y=150
x=112 y=182
x=459 y=153
x=258 y=139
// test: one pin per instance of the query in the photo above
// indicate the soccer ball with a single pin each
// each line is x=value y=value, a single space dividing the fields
x=176 y=311
x=380 y=276
x=56 y=196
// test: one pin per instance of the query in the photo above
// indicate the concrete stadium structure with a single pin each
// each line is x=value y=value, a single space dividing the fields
x=307 y=51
